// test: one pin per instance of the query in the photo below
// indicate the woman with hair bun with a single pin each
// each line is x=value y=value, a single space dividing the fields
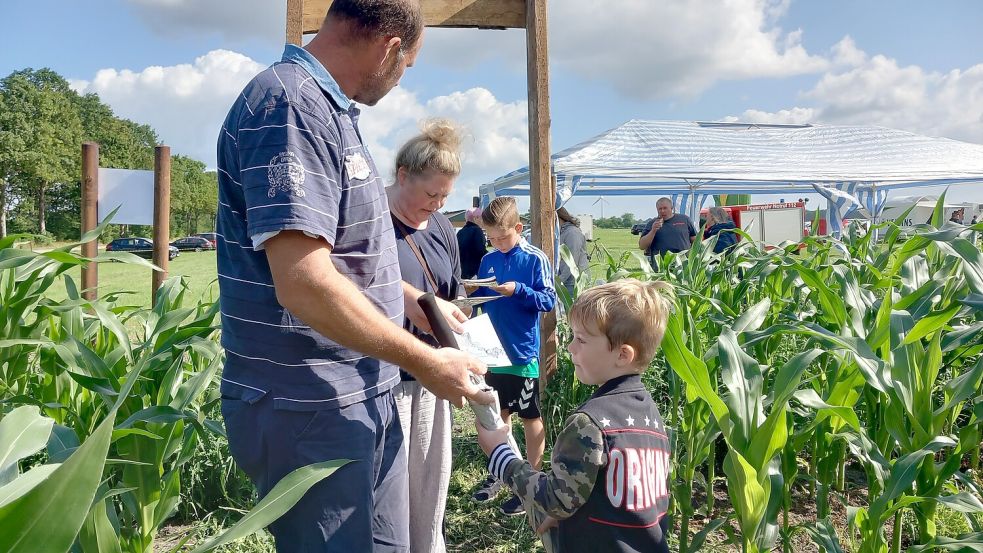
x=426 y=168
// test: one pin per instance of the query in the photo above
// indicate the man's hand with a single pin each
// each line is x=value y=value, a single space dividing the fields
x=656 y=225
x=448 y=377
x=490 y=439
x=506 y=289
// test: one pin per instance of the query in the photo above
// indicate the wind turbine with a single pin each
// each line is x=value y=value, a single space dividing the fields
x=602 y=202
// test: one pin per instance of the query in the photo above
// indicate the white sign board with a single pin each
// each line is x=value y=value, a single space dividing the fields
x=130 y=190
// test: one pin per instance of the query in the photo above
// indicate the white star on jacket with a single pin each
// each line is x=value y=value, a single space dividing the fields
x=606 y=422
x=630 y=421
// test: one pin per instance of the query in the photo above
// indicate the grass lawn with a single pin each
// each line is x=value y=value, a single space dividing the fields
x=615 y=240
x=198 y=268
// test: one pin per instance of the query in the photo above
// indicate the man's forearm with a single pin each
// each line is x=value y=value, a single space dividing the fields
x=309 y=286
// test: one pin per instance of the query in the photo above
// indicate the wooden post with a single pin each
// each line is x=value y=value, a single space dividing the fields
x=295 y=22
x=90 y=218
x=542 y=195
x=162 y=216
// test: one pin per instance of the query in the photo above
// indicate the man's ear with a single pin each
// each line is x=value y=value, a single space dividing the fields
x=392 y=46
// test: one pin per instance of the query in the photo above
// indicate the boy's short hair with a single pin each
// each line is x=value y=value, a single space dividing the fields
x=501 y=213
x=628 y=311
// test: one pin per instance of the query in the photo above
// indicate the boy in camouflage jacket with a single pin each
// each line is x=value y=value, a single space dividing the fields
x=607 y=488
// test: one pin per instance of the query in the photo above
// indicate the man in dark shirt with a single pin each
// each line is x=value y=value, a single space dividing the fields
x=669 y=232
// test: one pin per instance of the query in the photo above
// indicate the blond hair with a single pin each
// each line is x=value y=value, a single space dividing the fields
x=502 y=212
x=628 y=311
x=434 y=149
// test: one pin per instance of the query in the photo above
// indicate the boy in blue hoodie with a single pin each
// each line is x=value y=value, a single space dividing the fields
x=524 y=277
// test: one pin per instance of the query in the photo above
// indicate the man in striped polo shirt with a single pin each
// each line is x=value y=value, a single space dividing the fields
x=310 y=288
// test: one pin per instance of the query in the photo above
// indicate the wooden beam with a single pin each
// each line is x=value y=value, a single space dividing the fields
x=295 y=22
x=90 y=218
x=542 y=190
x=162 y=217
x=483 y=14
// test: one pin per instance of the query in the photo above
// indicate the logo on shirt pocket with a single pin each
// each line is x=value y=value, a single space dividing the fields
x=356 y=167
x=286 y=173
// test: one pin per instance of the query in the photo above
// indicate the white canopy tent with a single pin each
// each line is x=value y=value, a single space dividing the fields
x=689 y=161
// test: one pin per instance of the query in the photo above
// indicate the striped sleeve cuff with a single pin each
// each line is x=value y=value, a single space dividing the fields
x=499 y=460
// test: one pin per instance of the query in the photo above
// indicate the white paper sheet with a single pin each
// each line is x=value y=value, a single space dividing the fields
x=481 y=340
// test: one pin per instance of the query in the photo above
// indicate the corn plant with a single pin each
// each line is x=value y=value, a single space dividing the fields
x=754 y=437
x=122 y=411
x=59 y=507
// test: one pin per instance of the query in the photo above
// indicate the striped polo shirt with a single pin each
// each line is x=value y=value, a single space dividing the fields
x=290 y=157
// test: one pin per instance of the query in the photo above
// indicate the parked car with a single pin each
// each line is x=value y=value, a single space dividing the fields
x=193 y=243
x=210 y=236
x=638 y=227
x=144 y=247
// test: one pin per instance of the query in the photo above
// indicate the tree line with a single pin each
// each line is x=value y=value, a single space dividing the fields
x=43 y=123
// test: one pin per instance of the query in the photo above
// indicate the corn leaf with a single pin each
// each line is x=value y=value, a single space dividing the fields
x=64 y=496
x=281 y=498
x=23 y=432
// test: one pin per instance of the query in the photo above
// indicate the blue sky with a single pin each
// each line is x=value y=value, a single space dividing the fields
x=177 y=65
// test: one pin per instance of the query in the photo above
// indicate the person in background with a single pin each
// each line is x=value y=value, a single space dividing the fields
x=426 y=167
x=573 y=238
x=525 y=279
x=718 y=219
x=471 y=243
x=669 y=232
x=957 y=216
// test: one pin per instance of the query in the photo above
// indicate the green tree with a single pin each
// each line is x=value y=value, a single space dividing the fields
x=48 y=123
x=13 y=151
x=123 y=144
x=194 y=194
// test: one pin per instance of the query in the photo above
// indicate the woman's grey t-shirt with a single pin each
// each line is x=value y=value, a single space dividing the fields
x=439 y=248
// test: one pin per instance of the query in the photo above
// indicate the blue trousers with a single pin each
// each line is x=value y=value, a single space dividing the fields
x=363 y=506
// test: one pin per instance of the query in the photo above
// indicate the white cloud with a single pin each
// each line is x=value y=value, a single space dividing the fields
x=184 y=103
x=644 y=49
x=495 y=133
x=650 y=50
x=187 y=103
x=237 y=20
x=845 y=52
x=875 y=90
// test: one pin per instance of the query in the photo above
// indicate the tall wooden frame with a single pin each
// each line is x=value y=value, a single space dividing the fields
x=305 y=16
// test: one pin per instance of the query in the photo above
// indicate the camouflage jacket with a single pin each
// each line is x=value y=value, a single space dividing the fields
x=578 y=456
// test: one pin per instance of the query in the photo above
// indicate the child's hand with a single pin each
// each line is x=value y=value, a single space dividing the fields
x=506 y=289
x=489 y=439
x=550 y=522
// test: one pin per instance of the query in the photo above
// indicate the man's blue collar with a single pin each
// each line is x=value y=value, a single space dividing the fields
x=303 y=58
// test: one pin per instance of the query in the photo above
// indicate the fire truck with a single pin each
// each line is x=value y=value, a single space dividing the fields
x=770 y=224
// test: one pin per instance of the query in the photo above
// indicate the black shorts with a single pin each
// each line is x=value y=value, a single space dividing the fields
x=516 y=394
